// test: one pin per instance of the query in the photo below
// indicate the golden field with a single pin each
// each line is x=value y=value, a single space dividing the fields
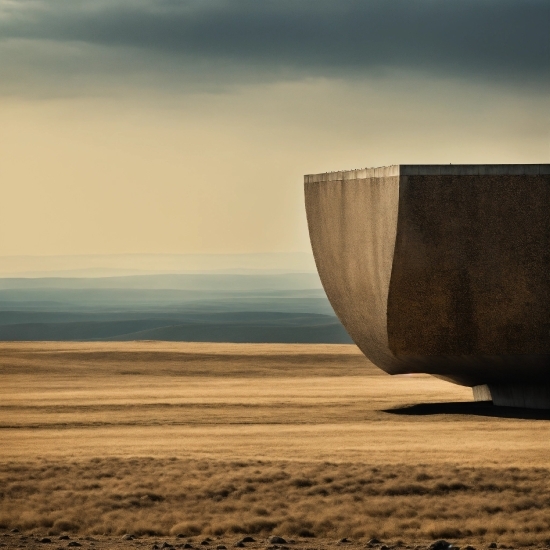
x=310 y=442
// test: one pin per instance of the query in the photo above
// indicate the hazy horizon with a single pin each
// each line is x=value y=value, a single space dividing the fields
x=118 y=265
x=231 y=305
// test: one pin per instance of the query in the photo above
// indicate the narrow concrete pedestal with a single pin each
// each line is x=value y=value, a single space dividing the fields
x=529 y=396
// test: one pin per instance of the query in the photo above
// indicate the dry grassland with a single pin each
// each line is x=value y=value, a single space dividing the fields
x=219 y=440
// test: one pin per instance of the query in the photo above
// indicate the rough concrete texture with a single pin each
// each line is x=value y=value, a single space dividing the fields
x=441 y=269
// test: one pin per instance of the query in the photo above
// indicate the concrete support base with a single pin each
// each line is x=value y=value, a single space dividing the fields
x=528 y=396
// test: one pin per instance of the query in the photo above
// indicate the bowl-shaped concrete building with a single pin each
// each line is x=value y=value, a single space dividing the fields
x=442 y=269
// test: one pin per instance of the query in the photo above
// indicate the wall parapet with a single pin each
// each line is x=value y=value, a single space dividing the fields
x=432 y=170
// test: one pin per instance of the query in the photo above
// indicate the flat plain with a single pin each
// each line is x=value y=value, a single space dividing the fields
x=216 y=441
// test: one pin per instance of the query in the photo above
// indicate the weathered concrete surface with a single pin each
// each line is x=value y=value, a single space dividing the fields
x=352 y=226
x=533 y=396
x=440 y=269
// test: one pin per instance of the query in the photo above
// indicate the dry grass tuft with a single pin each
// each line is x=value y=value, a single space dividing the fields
x=150 y=496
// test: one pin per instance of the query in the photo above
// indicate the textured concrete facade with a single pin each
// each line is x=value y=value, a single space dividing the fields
x=443 y=270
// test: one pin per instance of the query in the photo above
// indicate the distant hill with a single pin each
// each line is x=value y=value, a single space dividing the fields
x=162 y=301
x=213 y=307
x=189 y=281
x=333 y=333
x=305 y=329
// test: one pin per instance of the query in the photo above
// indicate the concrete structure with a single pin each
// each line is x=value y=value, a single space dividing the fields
x=443 y=270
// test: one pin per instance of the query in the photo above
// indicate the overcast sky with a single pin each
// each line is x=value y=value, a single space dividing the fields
x=142 y=126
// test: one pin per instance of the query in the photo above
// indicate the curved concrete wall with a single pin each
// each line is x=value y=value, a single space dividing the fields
x=352 y=225
x=439 y=269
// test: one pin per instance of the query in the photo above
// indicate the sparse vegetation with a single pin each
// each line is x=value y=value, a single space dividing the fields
x=223 y=441
x=150 y=496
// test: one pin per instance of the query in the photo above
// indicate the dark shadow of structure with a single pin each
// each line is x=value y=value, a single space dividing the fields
x=475 y=408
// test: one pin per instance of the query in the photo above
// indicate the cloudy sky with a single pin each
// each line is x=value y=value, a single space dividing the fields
x=185 y=126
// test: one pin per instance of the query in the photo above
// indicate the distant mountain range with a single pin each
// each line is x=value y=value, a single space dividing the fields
x=221 y=282
x=210 y=307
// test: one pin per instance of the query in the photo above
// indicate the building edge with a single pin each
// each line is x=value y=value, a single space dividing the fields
x=432 y=170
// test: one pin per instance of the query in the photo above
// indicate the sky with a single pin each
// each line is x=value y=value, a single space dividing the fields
x=186 y=126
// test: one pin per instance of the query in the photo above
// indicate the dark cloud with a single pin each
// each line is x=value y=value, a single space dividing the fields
x=506 y=40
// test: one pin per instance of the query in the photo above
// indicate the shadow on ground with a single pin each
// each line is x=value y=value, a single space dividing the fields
x=482 y=408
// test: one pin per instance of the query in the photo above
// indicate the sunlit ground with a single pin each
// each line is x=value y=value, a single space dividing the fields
x=226 y=439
